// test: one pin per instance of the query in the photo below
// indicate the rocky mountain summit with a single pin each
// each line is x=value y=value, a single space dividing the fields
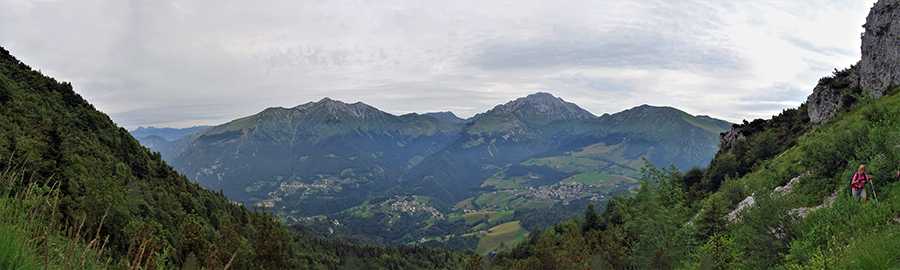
x=544 y=104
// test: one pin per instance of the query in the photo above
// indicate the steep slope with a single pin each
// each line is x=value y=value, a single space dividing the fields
x=325 y=155
x=676 y=138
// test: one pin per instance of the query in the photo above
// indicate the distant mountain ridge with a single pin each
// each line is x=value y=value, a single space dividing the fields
x=446 y=116
x=437 y=154
x=170 y=134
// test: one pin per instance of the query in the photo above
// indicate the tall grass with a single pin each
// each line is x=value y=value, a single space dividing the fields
x=31 y=236
x=874 y=251
x=15 y=252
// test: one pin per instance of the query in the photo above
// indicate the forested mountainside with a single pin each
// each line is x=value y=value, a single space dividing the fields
x=353 y=172
x=76 y=190
x=776 y=196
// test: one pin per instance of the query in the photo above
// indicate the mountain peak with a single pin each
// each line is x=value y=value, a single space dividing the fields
x=334 y=107
x=446 y=116
x=545 y=103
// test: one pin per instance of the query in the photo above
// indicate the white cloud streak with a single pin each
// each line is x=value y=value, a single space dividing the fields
x=183 y=63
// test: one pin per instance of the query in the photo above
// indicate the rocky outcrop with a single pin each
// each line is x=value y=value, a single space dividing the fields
x=803 y=211
x=778 y=192
x=726 y=138
x=745 y=204
x=824 y=103
x=879 y=67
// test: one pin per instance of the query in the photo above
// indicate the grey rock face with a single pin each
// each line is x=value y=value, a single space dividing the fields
x=825 y=102
x=726 y=138
x=879 y=67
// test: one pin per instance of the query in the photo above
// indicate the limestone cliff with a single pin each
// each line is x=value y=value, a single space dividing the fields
x=877 y=71
x=833 y=94
x=879 y=66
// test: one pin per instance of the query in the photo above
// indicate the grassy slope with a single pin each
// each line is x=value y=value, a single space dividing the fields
x=848 y=234
x=508 y=234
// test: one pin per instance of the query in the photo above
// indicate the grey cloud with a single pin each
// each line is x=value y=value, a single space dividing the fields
x=611 y=88
x=825 y=50
x=777 y=93
x=624 y=47
x=757 y=110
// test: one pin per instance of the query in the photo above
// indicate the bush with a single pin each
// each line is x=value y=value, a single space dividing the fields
x=766 y=231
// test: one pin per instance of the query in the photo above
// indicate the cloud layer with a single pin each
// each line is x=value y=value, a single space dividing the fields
x=184 y=63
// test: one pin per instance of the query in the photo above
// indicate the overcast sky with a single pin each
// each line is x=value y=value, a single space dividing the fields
x=186 y=63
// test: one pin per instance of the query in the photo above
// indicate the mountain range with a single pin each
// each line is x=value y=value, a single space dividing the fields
x=328 y=158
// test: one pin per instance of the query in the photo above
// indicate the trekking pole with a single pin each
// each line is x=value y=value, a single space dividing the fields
x=872 y=184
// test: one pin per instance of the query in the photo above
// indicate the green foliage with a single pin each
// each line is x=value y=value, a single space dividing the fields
x=14 y=252
x=766 y=231
x=591 y=219
x=873 y=251
x=724 y=165
x=720 y=252
x=763 y=139
x=711 y=218
x=30 y=238
x=827 y=233
x=475 y=263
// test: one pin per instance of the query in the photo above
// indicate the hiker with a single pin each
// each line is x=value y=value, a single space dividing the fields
x=858 y=183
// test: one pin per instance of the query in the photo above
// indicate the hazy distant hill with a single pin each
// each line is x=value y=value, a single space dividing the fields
x=447 y=116
x=170 y=134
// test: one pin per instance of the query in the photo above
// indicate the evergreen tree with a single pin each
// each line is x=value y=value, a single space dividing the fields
x=591 y=219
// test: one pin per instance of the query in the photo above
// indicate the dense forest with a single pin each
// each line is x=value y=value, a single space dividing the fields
x=685 y=220
x=76 y=190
